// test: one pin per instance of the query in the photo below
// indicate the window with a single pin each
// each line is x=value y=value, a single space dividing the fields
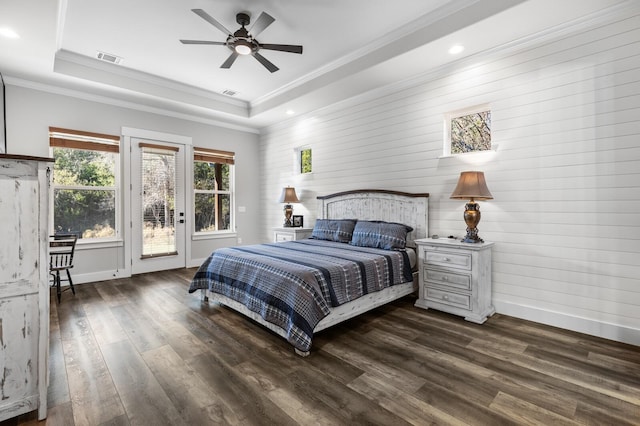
x=158 y=173
x=303 y=160
x=213 y=190
x=468 y=130
x=86 y=199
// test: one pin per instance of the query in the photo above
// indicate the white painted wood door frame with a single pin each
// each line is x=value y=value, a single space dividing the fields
x=131 y=137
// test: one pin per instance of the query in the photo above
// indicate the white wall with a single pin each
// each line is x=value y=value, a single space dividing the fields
x=565 y=174
x=30 y=112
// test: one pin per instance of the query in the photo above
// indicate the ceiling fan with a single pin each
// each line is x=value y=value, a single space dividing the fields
x=243 y=42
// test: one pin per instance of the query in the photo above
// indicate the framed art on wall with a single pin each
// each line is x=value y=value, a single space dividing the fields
x=298 y=221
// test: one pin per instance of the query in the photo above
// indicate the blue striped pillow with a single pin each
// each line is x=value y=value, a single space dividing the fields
x=339 y=230
x=379 y=234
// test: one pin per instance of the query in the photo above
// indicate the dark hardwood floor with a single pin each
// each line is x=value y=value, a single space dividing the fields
x=143 y=351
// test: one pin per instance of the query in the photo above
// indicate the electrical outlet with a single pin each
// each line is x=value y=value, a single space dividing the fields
x=239 y=240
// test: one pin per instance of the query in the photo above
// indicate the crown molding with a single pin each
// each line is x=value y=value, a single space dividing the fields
x=150 y=105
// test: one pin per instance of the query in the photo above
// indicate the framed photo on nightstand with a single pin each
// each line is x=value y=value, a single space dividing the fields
x=298 y=221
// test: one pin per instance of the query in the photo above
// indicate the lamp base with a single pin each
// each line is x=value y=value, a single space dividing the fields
x=472 y=236
x=472 y=218
x=288 y=212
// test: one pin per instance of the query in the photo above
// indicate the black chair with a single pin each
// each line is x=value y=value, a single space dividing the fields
x=61 y=250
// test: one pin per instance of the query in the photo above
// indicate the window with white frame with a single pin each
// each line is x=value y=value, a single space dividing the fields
x=86 y=178
x=303 y=160
x=468 y=130
x=213 y=189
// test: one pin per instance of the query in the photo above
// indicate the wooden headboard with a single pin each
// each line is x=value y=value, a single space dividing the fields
x=377 y=204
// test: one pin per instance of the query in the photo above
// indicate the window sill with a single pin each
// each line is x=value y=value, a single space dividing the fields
x=491 y=151
x=98 y=244
x=213 y=235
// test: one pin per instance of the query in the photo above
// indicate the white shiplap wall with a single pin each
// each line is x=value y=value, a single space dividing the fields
x=565 y=174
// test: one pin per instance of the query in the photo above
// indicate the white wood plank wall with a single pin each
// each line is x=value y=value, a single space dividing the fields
x=565 y=174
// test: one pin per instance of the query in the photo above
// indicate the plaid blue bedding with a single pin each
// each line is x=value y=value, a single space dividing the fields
x=292 y=284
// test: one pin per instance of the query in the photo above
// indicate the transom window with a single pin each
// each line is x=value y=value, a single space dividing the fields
x=304 y=163
x=213 y=190
x=85 y=183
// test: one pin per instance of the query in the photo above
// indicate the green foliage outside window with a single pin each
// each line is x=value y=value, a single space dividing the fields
x=84 y=192
x=471 y=132
x=212 y=196
x=305 y=160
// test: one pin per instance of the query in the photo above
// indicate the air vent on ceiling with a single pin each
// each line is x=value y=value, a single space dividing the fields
x=108 y=57
x=229 y=92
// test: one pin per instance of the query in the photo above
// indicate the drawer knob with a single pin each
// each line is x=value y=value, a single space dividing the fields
x=445 y=297
x=445 y=278
x=446 y=259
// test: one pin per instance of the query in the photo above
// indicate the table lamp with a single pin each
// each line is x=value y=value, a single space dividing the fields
x=288 y=196
x=472 y=186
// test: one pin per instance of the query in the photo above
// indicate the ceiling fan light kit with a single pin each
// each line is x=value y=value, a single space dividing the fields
x=243 y=41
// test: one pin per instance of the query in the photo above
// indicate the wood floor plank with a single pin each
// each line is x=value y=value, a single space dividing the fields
x=144 y=400
x=93 y=395
x=215 y=338
x=139 y=326
x=573 y=374
x=105 y=326
x=376 y=365
x=196 y=401
x=287 y=399
x=526 y=413
x=58 y=392
x=248 y=402
x=411 y=409
x=320 y=389
x=462 y=370
x=590 y=415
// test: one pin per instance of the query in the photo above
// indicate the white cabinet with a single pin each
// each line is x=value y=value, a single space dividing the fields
x=291 y=234
x=24 y=286
x=455 y=277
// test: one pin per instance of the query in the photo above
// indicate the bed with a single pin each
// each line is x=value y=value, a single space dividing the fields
x=358 y=259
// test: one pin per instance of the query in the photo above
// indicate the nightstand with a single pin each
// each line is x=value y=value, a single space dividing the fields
x=291 y=234
x=455 y=277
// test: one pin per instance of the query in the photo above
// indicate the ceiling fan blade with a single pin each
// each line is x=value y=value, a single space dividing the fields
x=230 y=60
x=263 y=21
x=264 y=61
x=204 y=15
x=221 y=43
x=282 y=47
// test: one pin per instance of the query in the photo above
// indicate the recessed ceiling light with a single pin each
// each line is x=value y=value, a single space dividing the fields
x=8 y=33
x=456 y=48
x=290 y=112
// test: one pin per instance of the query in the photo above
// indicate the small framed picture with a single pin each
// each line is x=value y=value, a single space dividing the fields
x=298 y=221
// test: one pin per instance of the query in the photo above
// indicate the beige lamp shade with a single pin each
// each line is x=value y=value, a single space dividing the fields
x=288 y=195
x=472 y=186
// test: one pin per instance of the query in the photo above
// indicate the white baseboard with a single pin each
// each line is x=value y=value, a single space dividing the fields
x=592 y=327
x=98 y=276
x=194 y=263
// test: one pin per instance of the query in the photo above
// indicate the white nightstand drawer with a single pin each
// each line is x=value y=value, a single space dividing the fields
x=283 y=237
x=445 y=258
x=291 y=234
x=453 y=299
x=447 y=279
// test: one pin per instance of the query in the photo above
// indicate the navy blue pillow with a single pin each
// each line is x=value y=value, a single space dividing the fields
x=379 y=234
x=339 y=230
